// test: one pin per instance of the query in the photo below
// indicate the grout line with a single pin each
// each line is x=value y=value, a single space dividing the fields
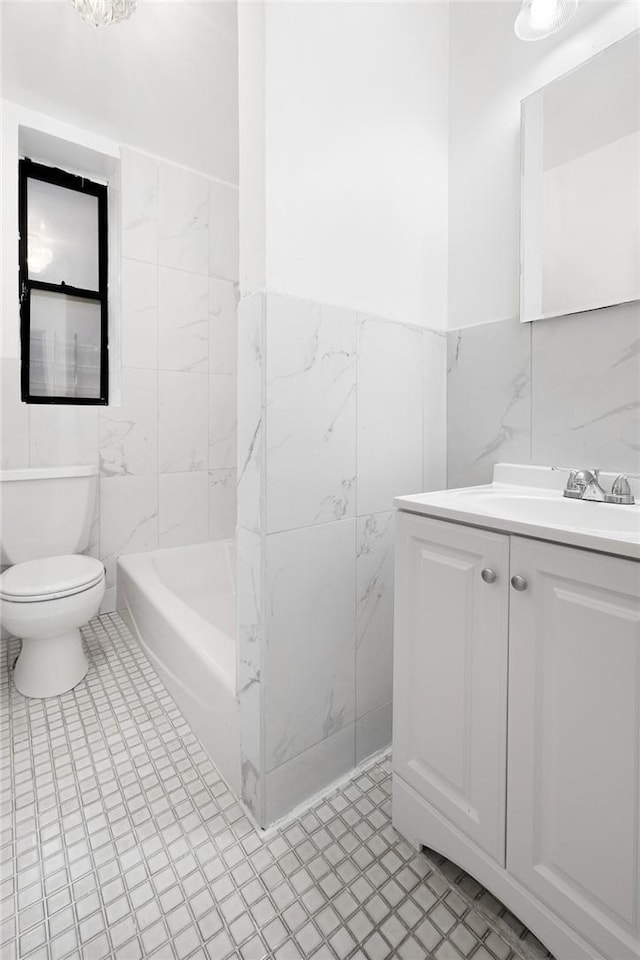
x=120 y=732
x=157 y=358
x=177 y=165
x=303 y=808
x=358 y=329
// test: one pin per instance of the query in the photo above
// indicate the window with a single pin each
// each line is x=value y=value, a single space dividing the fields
x=63 y=286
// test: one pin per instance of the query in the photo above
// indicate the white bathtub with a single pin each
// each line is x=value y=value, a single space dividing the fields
x=180 y=604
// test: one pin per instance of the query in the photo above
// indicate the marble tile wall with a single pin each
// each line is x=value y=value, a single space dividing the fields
x=166 y=447
x=488 y=400
x=332 y=424
x=340 y=412
x=167 y=454
x=562 y=391
x=251 y=551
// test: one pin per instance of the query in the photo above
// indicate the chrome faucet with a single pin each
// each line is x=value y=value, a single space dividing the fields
x=585 y=485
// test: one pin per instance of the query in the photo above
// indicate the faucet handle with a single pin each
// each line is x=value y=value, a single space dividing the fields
x=577 y=481
x=621 y=490
x=574 y=488
x=573 y=473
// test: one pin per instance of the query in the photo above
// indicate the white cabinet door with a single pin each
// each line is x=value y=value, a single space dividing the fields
x=450 y=673
x=573 y=833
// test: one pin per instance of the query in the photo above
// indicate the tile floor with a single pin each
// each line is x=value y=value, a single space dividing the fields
x=120 y=840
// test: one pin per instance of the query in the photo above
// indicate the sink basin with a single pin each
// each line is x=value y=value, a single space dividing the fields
x=527 y=500
x=603 y=519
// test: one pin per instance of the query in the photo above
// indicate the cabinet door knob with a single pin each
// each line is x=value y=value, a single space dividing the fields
x=489 y=575
x=519 y=583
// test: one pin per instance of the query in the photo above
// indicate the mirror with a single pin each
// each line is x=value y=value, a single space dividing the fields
x=580 y=205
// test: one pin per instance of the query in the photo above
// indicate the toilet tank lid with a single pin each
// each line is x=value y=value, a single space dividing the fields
x=48 y=473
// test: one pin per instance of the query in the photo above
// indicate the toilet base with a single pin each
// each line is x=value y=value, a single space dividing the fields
x=50 y=665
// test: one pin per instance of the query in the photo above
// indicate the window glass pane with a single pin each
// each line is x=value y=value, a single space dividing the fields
x=62 y=243
x=65 y=346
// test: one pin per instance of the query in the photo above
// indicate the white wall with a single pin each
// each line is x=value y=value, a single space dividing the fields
x=355 y=166
x=343 y=221
x=164 y=81
x=490 y=72
x=251 y=135
x=165 y=446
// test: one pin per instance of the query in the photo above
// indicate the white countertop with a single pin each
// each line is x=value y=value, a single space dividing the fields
x=527 y=501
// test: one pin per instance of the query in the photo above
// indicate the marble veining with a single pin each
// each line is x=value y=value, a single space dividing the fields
x=251 y=452
x=183 y=321
x=390 y=412
x=434 y=427
x=337 y=422
x=519 y=388
x=337 y=504
x=222 y=421
x=311 y=413
x=587 y=413
x=308 y=772
x=128 y=518
x=578 y=406
x=129 y=433
x=310 y=656
x=139 y=206
x=374 y=611
x=250 y=651
x=223 y=326
x=222 y=504
x=183 y=508
x=488 y=400
x=139 y=314
x=223 y=230
x=250 y=432
x=93 y=547
x=183 y=220
x=374 y=731
x=630 y=353
x=183 y=427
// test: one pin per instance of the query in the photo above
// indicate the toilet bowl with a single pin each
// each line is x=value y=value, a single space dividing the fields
x=51 y=588
x=44 y=602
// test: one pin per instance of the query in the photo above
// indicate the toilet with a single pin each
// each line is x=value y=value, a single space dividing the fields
x=50 y=588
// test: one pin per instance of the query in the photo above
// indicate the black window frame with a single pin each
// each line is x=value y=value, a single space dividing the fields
x=30 y=170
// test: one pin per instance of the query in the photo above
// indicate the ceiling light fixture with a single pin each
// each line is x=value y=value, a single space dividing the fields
x=538 y=19
x=101 y=13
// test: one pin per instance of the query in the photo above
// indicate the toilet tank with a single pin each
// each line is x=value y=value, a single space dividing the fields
x=46 y=511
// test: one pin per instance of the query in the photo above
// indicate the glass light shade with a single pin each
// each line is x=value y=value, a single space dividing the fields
x=100 y=13
x=538 y=19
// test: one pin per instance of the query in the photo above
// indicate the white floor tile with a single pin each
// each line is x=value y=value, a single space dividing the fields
x=120 y=840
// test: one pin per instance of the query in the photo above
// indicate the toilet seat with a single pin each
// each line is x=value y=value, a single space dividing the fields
x=50 y=579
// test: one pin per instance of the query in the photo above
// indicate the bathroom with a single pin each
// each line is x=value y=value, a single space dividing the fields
x=314 y=307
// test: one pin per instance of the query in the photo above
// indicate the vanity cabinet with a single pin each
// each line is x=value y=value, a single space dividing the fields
x=450 y=673
x=517 y=725
x=574 y=739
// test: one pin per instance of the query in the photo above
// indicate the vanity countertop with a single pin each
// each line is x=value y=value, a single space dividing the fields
x=528 y=501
